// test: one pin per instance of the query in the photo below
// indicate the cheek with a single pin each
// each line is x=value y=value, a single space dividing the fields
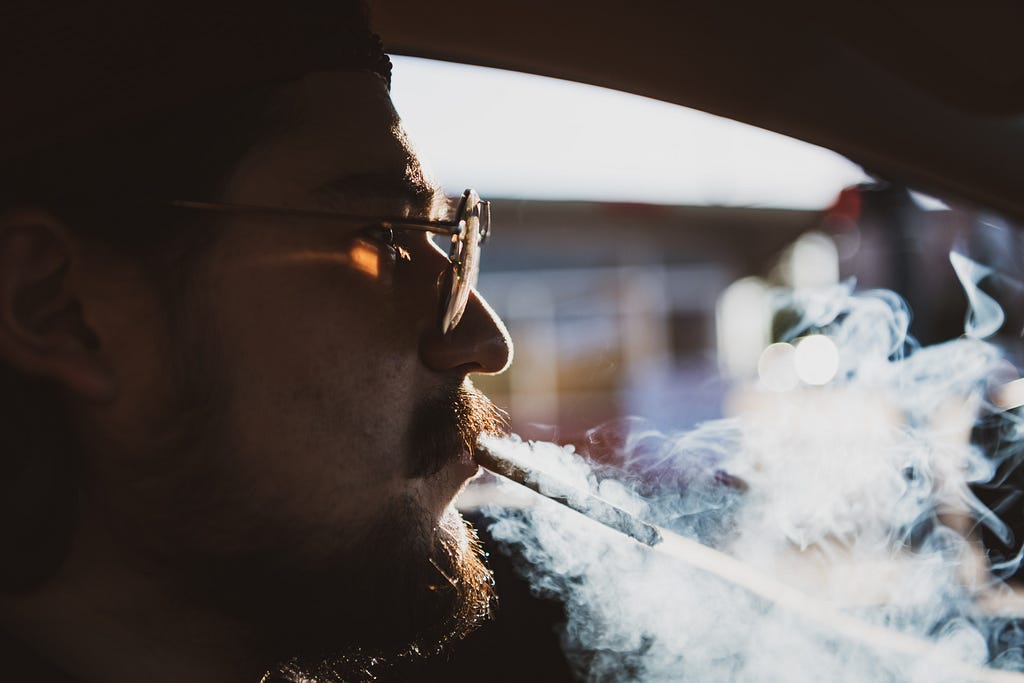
x=321 y=398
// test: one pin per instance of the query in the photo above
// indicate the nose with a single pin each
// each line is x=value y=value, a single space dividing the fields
x=479 y=343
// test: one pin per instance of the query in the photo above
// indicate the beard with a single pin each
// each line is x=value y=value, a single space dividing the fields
x=415 y=605
x=317 y=604
x=406 y=587
x=394 y=609
x=409 y=612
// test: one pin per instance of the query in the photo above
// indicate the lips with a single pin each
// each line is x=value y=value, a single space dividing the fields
x=466 y=458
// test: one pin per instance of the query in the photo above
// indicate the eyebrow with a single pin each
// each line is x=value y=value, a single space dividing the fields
x=404 y=190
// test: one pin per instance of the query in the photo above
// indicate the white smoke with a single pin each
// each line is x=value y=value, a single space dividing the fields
x=848 y=503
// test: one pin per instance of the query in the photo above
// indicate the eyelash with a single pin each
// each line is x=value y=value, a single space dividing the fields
x=387 y=237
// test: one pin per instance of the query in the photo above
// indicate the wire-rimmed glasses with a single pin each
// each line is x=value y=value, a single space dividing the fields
x=467 y=229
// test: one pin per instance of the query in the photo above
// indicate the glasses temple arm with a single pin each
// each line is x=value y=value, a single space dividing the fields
x=448 y=227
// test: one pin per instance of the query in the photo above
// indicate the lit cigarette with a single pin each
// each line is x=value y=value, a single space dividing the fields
x=571 y=496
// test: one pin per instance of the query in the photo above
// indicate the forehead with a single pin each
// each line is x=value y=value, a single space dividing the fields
x=339 y=141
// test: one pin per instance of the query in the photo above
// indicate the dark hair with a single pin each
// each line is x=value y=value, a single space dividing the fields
x=108 y=187
x=112 y=185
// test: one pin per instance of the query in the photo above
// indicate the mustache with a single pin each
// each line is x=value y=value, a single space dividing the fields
x=449 y=424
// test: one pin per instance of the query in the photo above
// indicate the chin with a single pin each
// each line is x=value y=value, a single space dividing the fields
x=416 y=600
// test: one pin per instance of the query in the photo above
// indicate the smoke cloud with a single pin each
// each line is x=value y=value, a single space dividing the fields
x=846 y=507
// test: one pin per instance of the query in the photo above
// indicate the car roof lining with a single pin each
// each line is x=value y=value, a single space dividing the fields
x=852 y=85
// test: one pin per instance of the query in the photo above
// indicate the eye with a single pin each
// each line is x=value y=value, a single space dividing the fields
x=384 y=236
x=387 y=237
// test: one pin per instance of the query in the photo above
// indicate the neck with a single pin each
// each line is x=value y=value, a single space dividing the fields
x=102 y=619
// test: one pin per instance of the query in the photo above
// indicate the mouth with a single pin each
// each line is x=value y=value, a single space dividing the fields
x=466 y=458
x=447 y=483
x=461 y=461
x=445 y=430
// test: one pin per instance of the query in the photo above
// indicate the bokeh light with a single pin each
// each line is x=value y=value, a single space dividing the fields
x=816 y=359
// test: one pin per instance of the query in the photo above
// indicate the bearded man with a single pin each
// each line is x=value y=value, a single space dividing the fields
x=233 y=363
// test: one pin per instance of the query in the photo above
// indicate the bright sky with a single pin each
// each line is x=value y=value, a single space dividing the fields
x=509 y=134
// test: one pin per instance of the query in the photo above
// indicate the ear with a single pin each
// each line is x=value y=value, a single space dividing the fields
x=43 y=330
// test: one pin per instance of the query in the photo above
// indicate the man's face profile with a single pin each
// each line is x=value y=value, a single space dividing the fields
x=273 y=452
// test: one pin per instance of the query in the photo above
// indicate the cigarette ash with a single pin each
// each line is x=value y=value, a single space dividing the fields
x=856 y=494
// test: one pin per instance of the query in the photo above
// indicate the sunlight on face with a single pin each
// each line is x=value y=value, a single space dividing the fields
x=363 y=256
x=366 y=258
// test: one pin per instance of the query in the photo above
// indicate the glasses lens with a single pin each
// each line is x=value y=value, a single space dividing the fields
x=485 y=221
x=465 y=259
